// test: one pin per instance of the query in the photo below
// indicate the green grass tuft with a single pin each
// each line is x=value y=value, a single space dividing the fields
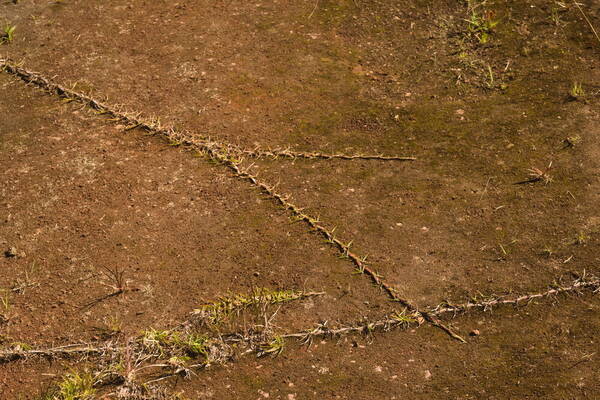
x=7 y=34
x=178 y=343
x=272 y=348
x=74 y=386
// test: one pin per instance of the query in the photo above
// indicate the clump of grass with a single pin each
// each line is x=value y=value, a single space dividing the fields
x=117 y=277
x=114 y=326
x=118 y=284
x=22 y=284
x=272 y=348
x=74 y=386
x=538 y=175
x=403 y=318
x=195 y=345
x=219 y=311
x=475 y=71
x=581 y=239
x=155 y=339
x=176 y=343
x=542 y=175
x=179 y=362
x=576 y=92
x=571 y=141
x=20 y=346
x=7 y=34
x=548 y=251
x=482 y=25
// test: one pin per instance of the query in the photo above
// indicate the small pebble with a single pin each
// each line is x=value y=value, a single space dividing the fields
x=11 y=252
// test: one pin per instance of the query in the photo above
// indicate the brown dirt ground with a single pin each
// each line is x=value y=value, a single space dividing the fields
x=398 y=78
x=181 y=230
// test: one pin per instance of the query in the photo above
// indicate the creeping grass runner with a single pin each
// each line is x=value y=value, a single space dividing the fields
x=160 y=354
x=217 y=312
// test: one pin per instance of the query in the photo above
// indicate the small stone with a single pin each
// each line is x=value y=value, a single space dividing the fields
x=474 y=332
x=427 y=375
x=11 y=252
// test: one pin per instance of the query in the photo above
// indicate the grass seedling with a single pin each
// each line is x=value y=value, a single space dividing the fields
x=7 y=34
